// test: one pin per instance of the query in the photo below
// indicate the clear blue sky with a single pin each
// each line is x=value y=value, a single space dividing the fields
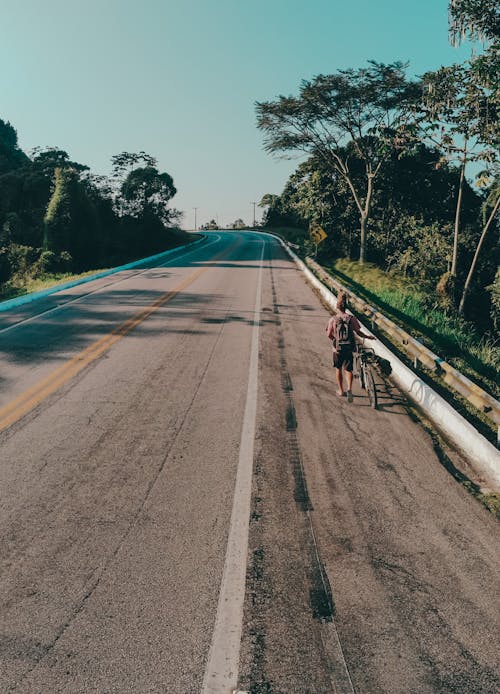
x=179 y=78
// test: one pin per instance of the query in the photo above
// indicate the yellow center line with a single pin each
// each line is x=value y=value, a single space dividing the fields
x=34 y=395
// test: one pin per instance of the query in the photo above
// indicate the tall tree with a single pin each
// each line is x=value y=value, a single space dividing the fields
x=146 y=191
x=480 y=20
x=57 y=221
x=47 y=160
x=457 y=113
x=124 y=162
x=10 y=155
x=369 y=108
x=274 y=212
x=491 y=208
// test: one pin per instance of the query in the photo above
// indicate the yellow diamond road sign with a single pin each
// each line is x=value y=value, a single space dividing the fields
x=316 y=233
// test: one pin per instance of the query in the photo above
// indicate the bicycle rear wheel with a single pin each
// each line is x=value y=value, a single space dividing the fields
x=370 y=388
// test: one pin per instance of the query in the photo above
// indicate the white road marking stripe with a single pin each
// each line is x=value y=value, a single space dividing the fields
x=340 y=679
x=100 y=289
x=221 y=674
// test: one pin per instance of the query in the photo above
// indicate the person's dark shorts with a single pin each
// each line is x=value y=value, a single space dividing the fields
x=344 y=357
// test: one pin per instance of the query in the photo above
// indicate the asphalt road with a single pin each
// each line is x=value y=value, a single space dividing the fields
x=130 y=408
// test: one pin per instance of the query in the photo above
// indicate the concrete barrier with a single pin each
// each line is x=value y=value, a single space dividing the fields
x=482 y=455
x=34 y=296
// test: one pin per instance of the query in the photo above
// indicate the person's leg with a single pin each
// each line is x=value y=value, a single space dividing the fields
x=348 y=368
x=340 y=390
x=349 y=380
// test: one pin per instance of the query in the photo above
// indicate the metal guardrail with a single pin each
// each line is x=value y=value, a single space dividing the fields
x=418 y=352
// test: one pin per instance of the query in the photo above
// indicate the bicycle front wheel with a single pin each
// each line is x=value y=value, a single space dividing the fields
x=371 y=389
x=360 y=369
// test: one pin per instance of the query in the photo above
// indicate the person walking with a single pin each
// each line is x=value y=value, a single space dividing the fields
x=340 y=330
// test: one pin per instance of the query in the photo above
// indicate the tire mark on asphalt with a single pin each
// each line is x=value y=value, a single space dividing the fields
x=320 y=592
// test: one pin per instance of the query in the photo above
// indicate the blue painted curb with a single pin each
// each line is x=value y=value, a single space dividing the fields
x=27 y=298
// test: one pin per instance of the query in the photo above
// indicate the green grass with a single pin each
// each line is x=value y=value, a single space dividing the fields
x=492 y=503
x=402 y=300
x=10 y=290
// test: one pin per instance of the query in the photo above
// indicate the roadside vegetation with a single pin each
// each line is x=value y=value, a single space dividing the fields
x=403 y=175
x=58 y=220
x=10 y=290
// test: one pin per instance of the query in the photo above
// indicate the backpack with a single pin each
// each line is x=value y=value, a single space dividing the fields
x=343 y=334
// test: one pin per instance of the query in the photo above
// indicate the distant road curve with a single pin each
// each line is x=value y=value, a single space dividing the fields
x=157 y=259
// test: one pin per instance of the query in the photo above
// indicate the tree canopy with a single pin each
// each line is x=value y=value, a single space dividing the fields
x=392 y=154
x=474 y=19
x=366 y=112
x=55 y=215
x=147 y=191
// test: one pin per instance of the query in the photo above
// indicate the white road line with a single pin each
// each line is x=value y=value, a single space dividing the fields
x=340 y=679
x=100 y=289
x=221 y=674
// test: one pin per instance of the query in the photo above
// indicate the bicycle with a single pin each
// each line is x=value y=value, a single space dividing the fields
x=364 y=357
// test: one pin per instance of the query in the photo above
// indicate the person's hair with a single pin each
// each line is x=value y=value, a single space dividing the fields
x=341 y=301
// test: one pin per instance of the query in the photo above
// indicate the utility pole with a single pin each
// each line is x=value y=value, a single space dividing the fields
x=254 y=220
x=195 y=227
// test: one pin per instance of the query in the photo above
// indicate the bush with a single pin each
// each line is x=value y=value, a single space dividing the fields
x=494 y=290
x=20 y=260
x=5 y=268
x=50 y=262
x=417 y=241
